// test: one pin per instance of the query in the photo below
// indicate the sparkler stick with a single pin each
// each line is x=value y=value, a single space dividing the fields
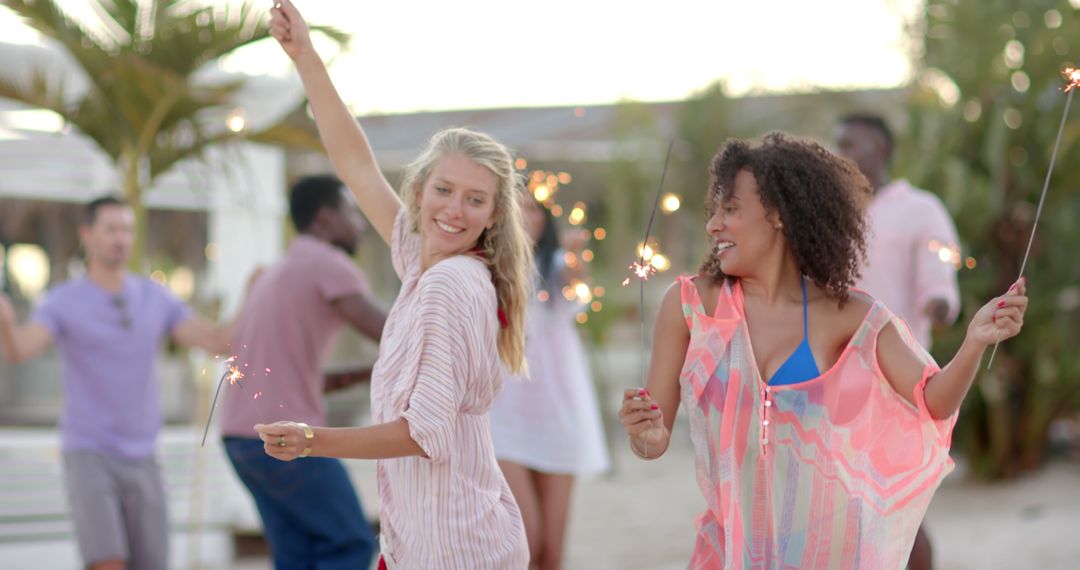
x=1072 y=82
x=234 y=375
x=643 y=268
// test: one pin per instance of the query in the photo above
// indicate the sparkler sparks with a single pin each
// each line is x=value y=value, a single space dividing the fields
x=1072 y=78
x=233 y=375
x=642 y=270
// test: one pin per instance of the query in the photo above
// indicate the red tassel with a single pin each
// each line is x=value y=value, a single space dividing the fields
x=503 y=321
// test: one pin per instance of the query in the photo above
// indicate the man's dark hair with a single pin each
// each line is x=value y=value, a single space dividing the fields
x=875 y=122
x=90 y=210
x=309 y=195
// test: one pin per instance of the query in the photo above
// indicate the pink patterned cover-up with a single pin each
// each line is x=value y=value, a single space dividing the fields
x=833 y=472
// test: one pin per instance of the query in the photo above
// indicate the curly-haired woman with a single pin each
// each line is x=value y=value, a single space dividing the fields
x=820 y=428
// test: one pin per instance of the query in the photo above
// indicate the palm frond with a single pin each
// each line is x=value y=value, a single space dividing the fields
x=166 y=154
x=201 y=34
x=36 y=91
x=89 y=115
x=89 y=49
x=122 y=14
x=339 y=36
x=93 y=117
x=140 y=59
x=287 y=134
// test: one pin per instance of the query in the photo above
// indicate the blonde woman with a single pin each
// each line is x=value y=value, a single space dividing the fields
x=459 y=246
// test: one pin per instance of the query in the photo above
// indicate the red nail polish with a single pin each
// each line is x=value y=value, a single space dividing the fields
x=993 y=318
x=654 y=407
x=1001 y=304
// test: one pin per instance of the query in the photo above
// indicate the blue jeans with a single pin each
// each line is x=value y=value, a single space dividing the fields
x=310 y=511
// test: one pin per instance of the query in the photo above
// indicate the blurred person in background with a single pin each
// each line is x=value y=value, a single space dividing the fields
x=909 y=233
x=108 y=326
x=294 y=314
x=546 y=428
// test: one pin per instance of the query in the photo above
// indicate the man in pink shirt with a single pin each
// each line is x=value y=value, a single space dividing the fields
x=310 y=511
x=912 y=250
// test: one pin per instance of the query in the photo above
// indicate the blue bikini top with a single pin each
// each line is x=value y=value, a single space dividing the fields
x=800 y=366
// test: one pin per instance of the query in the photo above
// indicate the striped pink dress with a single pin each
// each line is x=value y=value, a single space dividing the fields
x=438 y=368
x=834 y=472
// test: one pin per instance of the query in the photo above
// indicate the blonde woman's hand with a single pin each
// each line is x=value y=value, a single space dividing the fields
x=288 y=27
x=282 y=440
x=1001 y=318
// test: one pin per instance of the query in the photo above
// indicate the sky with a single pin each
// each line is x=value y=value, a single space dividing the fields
x=410 y=55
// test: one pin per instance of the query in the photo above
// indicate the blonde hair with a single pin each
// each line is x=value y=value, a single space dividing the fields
x=506 y=244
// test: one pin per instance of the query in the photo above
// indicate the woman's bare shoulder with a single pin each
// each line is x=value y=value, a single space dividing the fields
x=846 y=315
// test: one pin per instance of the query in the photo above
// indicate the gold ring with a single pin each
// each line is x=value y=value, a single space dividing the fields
x=281 y=441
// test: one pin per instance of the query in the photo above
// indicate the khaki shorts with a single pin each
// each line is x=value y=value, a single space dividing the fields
x=118 y=509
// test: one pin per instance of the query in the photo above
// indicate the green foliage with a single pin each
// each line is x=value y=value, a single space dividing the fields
x=987 y=155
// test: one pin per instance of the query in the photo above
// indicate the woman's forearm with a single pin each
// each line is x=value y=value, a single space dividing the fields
x=348 y=147
x=947 y=389
x=345 y=142
x=380 y=441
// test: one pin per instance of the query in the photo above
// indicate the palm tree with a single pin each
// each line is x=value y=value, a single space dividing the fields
x=144 y=104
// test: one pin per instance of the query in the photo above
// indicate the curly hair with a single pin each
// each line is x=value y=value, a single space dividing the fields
x=820 y=198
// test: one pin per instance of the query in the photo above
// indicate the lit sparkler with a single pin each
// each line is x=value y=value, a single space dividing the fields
x=643 y=268
x=1072 y=81
x=1072 y=78
x=234 y=376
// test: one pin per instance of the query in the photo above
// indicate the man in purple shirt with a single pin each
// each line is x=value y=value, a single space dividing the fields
x=310 y=512
x=109 y=326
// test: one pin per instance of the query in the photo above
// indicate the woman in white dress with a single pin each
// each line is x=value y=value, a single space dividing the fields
x=546 y=428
